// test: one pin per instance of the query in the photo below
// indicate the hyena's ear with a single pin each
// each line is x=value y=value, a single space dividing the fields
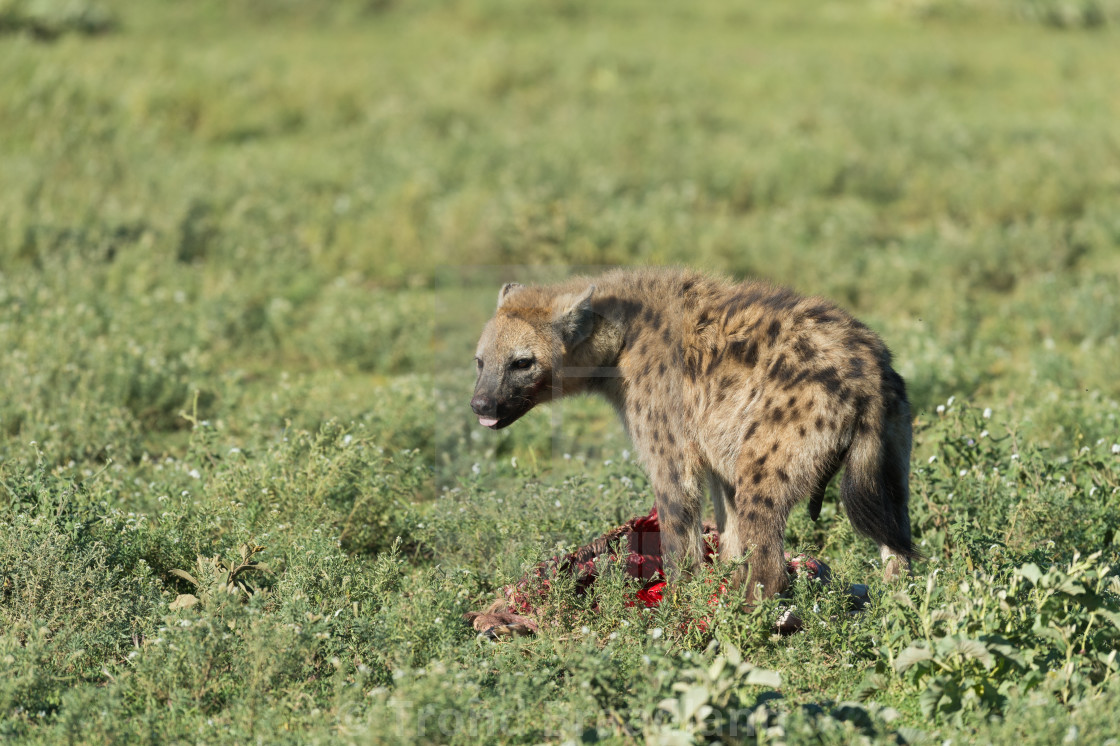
x=574 y=318
x=504 y=293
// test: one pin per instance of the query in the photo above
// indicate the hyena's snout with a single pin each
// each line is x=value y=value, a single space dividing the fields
x=496 y=411
x=484 y=405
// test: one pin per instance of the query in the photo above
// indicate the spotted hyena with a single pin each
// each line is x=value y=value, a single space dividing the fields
x=750 y=389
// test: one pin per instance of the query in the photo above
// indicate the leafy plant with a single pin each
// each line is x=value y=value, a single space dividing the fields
x=219 y=576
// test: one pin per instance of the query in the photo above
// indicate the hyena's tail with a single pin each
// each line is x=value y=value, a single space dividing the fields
x=875 y=489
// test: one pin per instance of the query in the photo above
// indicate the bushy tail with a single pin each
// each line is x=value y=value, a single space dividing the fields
x=876 y=486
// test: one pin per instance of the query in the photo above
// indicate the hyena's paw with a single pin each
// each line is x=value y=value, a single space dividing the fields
x=895 y=568
x=499 y=625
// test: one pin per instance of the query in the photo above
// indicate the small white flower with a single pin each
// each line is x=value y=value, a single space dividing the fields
x=964 y=472
x=608 y=462
x=557 y=503
x=513 y=462
x=194 y=473
x=983 y=433
x=950 y=402
x=1116 y=447
x=184 y=622
x=612 y=635
x=476 y=469
x=584 y=630
x=941 y=409
x=567 y=457
x=987 y=413
x=347 y=439
x=646 y=660
x=933 y=458
x=625 y=455
x=656 y=633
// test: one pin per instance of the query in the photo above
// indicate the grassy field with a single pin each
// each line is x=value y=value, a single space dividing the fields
x=245 y=251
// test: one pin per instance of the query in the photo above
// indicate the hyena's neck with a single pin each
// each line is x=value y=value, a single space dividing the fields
x=626 y=306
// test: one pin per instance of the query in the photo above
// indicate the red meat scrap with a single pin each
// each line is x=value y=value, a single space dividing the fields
x=638 y=541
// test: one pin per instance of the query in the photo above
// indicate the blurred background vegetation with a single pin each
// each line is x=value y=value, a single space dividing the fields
x=246 y=248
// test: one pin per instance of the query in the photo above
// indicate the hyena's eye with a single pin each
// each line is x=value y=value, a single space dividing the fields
x=478 y=362
x=521 y=363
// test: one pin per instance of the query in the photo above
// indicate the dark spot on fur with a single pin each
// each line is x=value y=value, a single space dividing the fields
x=766 y=502
x=794 y=382
x=801 y=430
x=757 y=477
x=855 y=369
x=829 y=378
x=803 y=349
x=774 y=330
x=672 y=440
x=661 y=368
x=778 y=369
x=714 y=361
x=751 y=430
x=822 y=313
x=752 y=515
x=782 y=475
x=774 y=447
x=777 y=416
x=819 y=423
x=761 y=459
x=744 y=350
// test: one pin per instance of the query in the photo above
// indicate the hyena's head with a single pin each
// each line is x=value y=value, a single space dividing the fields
x=523 y=349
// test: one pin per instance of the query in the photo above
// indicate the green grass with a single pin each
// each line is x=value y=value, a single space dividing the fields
x=245 y=250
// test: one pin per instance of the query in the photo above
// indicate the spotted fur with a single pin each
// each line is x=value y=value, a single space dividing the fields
x=749 y=390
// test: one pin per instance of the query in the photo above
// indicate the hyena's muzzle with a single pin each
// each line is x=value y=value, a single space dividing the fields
x=499 y=404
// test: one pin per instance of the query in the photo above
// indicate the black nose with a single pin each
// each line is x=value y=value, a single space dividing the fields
x=483 y=405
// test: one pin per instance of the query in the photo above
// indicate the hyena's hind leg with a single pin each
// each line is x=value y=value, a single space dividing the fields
x=773 y=472
x=875 y=489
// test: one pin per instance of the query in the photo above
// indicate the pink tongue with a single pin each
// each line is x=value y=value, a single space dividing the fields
x=487 y=421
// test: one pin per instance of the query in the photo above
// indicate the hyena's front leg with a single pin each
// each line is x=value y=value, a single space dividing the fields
x=679 y=498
